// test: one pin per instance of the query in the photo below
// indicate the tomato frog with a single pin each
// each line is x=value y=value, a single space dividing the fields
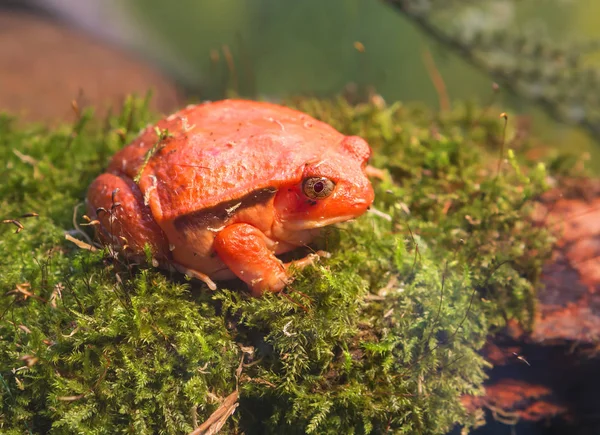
x=218 y=190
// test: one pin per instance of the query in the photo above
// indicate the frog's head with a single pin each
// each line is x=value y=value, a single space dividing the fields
x=332 y=188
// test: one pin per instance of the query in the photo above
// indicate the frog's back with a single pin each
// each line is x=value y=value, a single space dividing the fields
x=222 y=151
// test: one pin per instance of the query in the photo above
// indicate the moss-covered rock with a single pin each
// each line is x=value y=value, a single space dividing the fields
x=383 y=337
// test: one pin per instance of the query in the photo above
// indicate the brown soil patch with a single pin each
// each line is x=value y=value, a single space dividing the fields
x=44 y=65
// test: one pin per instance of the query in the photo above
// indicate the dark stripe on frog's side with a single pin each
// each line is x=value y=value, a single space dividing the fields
x=215 y=216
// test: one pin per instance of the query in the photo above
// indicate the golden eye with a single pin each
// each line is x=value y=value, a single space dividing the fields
x=317 y=187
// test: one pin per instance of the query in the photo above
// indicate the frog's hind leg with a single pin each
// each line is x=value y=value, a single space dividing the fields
x=124 y=220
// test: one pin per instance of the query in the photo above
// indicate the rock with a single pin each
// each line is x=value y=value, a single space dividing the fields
x=44 y=65
x=569 y=303
x=551 y=373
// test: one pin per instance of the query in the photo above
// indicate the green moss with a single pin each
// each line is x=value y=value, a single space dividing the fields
x=381 y=337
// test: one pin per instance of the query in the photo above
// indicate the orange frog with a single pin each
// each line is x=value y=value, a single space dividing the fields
x=219 y=189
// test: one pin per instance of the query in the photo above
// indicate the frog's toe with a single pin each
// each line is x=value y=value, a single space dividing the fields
x=195 y=274
x=309 y=260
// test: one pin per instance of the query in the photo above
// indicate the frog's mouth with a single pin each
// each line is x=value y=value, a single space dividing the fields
x=308 y=224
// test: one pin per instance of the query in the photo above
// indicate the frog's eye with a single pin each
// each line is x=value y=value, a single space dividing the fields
x=317 y=187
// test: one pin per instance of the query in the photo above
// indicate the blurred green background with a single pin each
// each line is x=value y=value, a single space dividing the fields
x=283 y=47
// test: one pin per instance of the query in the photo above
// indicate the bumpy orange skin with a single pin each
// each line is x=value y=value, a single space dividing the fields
x=222 y=195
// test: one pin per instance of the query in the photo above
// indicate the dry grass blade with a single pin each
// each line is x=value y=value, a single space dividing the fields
x=16 y=223
x=81 y=244
x=218 y=418
x=437 y=80
x=25 y=158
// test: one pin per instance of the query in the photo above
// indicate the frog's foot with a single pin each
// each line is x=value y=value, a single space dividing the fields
x=195 y=274
x=248 y=253
x=124 y=220
x=309 y=260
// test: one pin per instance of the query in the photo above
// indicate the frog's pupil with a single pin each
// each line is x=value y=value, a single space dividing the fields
x=318 y=187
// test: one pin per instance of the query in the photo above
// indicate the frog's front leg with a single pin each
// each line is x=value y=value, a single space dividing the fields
x=248 y=253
